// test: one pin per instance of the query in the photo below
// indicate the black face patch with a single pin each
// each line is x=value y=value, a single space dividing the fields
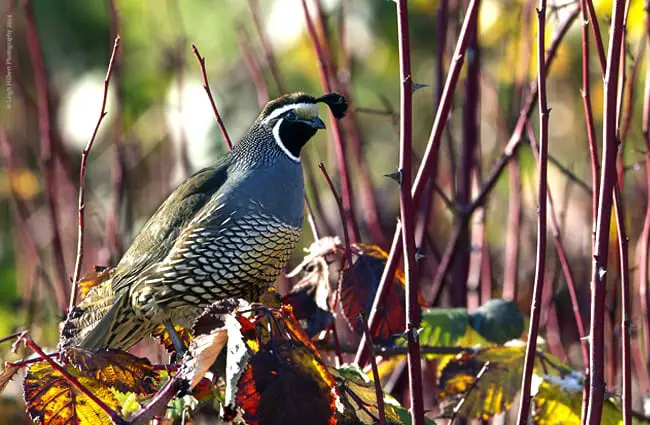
x=294 y=135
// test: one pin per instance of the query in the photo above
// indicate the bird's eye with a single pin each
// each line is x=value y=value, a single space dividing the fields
x=291 y=115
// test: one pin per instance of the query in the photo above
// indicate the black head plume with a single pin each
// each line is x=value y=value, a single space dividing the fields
x=336 y=103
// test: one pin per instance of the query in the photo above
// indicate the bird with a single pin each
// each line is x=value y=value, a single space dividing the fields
x=225 y=232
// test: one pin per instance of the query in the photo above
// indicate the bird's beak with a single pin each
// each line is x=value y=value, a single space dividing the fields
x=318 y=123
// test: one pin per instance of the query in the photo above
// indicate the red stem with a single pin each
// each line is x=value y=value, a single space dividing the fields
x=607 y=182
x=206 y=86
x=407 y=217
x=339 y=204
x=346 y=187
x=540 y=258
x=626 y=312
x=253 y=66
x=82 y=178
x=266 y=46
x=443 y=110
x=379 y=394
x=113 y=241
x=47 y=149
x=563 y=259
x=643 y=244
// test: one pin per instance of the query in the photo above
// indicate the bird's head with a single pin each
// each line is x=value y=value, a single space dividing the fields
x=293 y=119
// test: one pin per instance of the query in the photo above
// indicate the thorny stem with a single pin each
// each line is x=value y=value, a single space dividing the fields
x=626 y=311
x=346 y=187
x=47 y=148
x=542 y=186
x=412 y=307
x=206 y=86
x=379 y=394
x=607 y=182
x=430 y=157
x=510 y=149
x=82 y=178
x=563 y=258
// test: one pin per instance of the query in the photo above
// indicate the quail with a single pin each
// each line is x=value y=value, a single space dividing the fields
x=225 y=232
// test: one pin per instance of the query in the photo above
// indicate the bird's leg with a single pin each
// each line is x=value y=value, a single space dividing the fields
x=176 y=339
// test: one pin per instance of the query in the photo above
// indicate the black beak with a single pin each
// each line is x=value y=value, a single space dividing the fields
x=316 y=122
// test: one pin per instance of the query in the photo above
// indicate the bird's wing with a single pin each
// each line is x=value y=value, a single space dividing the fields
x=158 y=235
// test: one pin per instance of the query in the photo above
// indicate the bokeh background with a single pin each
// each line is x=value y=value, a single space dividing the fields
x=160 y=119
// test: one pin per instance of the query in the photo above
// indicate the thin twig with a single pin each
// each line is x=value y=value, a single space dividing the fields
x=412 y=306
x=471 y=388
x=47 y=149
x=626 y=311
x=430 y=157
x=601 y=249
x=379 y=394
x=339 y=204
x=346 y=186
x=253 y=66
x=540 y=257
x=206 y=86
x=118 y=171
x=82 y=178
x=266 y=46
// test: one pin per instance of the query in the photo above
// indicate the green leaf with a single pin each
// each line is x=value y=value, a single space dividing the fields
x=443 y=326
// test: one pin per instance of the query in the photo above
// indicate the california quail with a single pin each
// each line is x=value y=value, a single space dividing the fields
x=225 y=232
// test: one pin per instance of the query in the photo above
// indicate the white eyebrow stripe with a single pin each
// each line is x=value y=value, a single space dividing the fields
x=285 y=108
x=278 y=141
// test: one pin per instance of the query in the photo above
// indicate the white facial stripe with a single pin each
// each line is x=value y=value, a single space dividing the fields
x=278 y=141
x=309 y=106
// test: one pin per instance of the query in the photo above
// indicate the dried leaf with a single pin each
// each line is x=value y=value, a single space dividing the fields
x=95 y=277
x=237 y=358
x=309 y=298
x=7 y=375
x=202 y=353
x=287 y=387
x=117 y=369
x=52 y=400
x=358 y=288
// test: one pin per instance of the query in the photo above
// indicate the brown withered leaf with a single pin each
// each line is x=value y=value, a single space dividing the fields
x=95 y=276
x=52 y=400
x=7 y=375
x=358 y=287
x=289 y=386
x=202 y=353
x=165 y=340
x=117 y=369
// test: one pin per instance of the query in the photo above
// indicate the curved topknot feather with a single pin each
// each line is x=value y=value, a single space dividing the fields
x=336 y=103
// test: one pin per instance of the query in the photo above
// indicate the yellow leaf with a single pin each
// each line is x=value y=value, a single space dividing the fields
x=52 y=400
x=555 y=405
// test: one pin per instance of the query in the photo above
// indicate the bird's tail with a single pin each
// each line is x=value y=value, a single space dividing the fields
x=103 y=320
